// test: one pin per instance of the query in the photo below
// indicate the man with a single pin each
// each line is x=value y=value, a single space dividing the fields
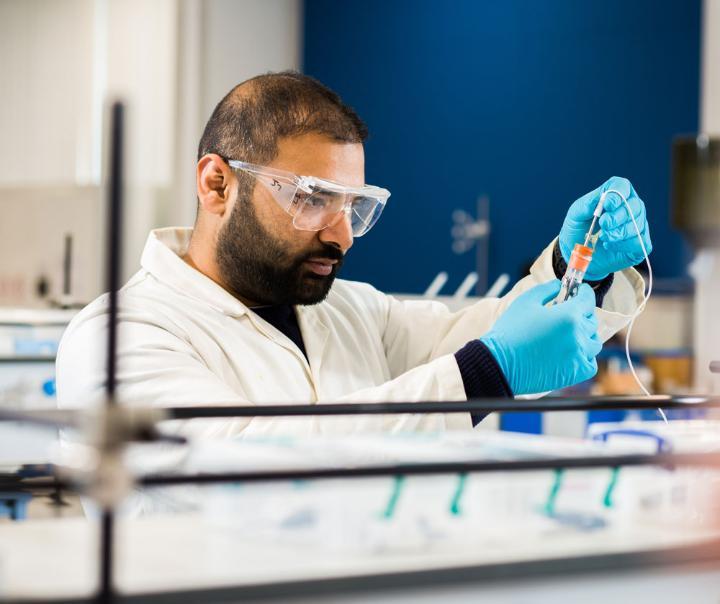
x=245 y=307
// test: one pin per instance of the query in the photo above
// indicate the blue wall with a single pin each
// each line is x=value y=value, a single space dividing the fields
x=530 y=102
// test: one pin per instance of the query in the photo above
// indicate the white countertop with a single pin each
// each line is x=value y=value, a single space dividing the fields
x=36 y=316
x=58 y=558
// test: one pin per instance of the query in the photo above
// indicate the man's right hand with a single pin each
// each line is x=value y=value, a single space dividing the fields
x=541 y=348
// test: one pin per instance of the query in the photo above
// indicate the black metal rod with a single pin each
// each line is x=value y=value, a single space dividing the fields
x=24 y=360
x=51 y=418
x=67 y=265
x=114 y=265
x=107 y=539
x=430 y=468
x=668 y=460
x=114 y=242
x=66 y=417
x=488 y=405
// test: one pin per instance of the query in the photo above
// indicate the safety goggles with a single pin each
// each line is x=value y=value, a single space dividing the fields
x=316 y=204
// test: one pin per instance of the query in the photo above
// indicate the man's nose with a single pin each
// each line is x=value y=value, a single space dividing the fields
x=339 y=234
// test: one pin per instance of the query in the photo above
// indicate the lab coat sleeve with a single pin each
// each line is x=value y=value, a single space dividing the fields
x=418 y=331
x=155 y=367
x=437 y=380
x=158 y=367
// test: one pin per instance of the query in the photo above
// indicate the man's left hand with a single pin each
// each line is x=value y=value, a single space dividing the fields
x=618 y=247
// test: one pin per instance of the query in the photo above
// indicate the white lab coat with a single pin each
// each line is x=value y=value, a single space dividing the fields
x=183 y=340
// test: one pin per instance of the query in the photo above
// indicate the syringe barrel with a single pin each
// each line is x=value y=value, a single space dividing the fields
x=580 y=257
x=573 y=277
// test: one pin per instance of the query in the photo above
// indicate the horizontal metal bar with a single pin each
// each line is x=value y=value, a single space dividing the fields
x=434 y=468
x=27 y=359
x=489 y=405
x=45 y=418
x=69 y=418
x=707 y=460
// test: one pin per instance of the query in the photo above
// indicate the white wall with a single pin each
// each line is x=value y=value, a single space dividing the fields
x=710 y=74
x=138 y=41
x=45 y=91
x=61 y=61
x=222 y=43
x=33 y=226
x=46 y=67
x=185 y=56
x=243 y=39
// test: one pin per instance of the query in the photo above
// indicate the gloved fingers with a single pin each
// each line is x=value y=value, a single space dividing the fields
x=594 y=345
x=622 y=185
x=626 y=231
x=543 y=293
x=614 y=217
x=583 y=302
x=581 y=210
x=589 y=369
x=590 y=324
x=631 y=245
x=588 y=339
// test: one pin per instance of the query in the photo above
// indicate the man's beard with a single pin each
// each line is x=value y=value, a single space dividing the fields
x=257 y=267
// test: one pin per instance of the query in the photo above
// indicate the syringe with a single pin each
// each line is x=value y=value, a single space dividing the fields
x=596 y=214
x=573 y=277
x=580 y=259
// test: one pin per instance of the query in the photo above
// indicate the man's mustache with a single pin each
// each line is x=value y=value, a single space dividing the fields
x=327 y=251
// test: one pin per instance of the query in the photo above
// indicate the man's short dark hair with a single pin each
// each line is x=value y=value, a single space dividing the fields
x=253 y=116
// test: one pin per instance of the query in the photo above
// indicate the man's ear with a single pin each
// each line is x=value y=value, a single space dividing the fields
x=213 y=184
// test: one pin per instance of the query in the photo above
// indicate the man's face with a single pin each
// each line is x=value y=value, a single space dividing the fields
x=261 y=256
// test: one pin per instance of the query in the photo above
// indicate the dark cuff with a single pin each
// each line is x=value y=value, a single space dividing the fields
x=601 y=287
x=481 y=375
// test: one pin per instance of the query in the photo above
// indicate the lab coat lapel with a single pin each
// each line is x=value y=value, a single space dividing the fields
x=162 y=259
x=315 y=336
x=273 y=333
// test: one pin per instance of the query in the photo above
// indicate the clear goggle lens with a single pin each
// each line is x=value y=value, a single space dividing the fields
x=317 y=204
x=322 y=208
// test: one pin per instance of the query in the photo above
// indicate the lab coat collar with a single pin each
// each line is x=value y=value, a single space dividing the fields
x=162 y=259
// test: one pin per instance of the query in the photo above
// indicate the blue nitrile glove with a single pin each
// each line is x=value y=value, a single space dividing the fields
x=541 y=348
x=618 y=247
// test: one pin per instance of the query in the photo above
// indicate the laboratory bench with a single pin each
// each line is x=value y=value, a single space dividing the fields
x=193 y=558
